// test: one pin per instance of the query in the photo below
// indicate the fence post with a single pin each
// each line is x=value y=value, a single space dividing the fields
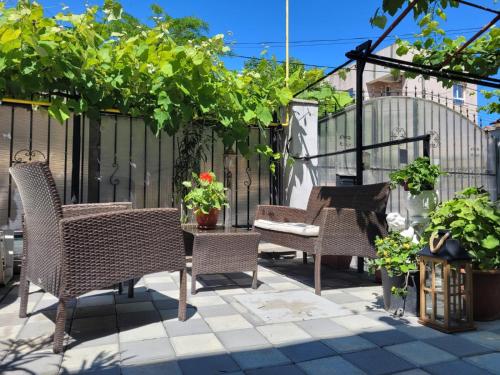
x=75 y=159
x=94 y=161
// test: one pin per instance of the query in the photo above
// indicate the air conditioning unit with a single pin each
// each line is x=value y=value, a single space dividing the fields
x=6 y=256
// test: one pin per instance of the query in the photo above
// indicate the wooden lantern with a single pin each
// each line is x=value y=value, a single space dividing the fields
x=446 y=286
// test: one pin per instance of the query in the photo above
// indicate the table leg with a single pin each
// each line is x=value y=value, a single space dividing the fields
x=182 y=295
x=254 y=281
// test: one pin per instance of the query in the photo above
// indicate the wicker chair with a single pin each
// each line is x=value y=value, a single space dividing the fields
x=339 y=220
x=72 y=250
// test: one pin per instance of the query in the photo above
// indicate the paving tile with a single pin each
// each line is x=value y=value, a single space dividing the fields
x=329 y=366
x=104 y=299
x=9 y=332
x=358 y=323
x=323 y=328
x=485 y=338
x=387 y=337
x=124 y=308
x=307 y=351
x=199 y=301
x=35 y=362
x=458 y=346
x=210 y=364
x=94 y=358
x=260 y=358
x=342 y=298
x=137 y=319
x=368 y=294
x=273 y=370
x=349 y=344
x=11 y=319
x=144 y=332
x=36 y=330
x=284 y=286
x=166 y=304
x=283 y=333
x=420 y=353
x=194 y=345
x=242 y=339
x=167 y=368
x=230 y=291
x=189 y=327
x=489 y=362
x=94 y=338
x=416 y=371
x=227 y=323
x=173 y=314
x=217 y=310
x=146 y=351
x=458 y=367
x=138 y=297
x=378 y=361
x=420 y=332
x=93 y=311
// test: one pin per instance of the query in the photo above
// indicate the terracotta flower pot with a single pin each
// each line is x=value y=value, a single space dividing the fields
x=208 y=221
x=486 y=289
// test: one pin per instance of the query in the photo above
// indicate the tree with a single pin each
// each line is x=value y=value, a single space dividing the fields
x=434 y=47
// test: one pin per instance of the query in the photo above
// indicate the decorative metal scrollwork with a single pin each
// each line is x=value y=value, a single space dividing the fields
x=345 y=140
x=435 y=139
x=398 y=133
x=248 y=180
x=112 y=179
x=21 y=156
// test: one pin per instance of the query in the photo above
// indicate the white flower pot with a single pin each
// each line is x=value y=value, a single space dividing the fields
x=419 y=206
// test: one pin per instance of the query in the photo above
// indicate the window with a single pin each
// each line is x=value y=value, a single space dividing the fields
x=458 y=94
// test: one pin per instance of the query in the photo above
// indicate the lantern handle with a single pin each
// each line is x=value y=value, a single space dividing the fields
x=435 y=249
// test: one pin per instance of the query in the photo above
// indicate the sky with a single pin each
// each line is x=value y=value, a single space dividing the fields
x=335 y=26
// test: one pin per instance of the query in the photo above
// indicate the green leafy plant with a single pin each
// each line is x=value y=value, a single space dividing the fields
x=398 y=256
x=418 y=176
x=473 y=219
x=205 y=194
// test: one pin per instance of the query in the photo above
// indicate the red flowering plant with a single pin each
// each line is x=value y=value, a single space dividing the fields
x=205 y=193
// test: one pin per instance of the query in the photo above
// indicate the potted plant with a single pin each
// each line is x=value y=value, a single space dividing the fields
x=397 y=261
x=419 y=179
x=206 y=197
x=474 y=219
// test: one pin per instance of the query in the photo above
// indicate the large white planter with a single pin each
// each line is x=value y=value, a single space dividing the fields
x=419 y=206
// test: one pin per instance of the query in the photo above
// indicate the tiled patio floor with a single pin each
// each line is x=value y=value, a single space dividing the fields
x=112 y=334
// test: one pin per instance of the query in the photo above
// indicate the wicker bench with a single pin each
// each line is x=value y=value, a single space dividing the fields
x=339 y=220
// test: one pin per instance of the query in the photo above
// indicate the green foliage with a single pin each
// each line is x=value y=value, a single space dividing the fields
x=474 y=220
x=418 y=176
x=493 y=106
x=167 y=74
x=205 y=193
x=433 y=47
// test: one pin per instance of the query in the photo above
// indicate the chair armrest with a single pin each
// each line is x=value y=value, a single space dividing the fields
x=281 y=214
x=70 y=210
x=102 y=249
x=347 y=231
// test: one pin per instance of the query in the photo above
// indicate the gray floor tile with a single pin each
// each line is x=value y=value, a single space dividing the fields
x=242 y=339
x=377 y=361
x=349 y=344
x=387 y=337
x=167 y=368
x=94 y=311
x=274 y=370
x=260 y=358
x=485 y=338
x=458 y=346
x=138 y=297
x=329 y=366
x=188 y=327
x=307 y=351
x=416 y=371
x=40 y=363
x=208 y=364
x=342 y=298
x=166 y=304
x=420 y=353
x=456 y=368
x=146 y=351
x=323 y=328
x=217 y=310
x=490 y=362
x=137 y=319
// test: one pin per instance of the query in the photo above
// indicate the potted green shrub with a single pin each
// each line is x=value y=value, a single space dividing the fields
x=397 y=261
x=474 y=219
x=206 y=198
x=419 y=179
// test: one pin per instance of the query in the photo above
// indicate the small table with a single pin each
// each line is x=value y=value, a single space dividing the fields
x=221 y=250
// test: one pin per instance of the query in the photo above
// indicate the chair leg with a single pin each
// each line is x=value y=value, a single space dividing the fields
x=60 y=325
x=304 y=257
x=131 y=288
x=317 y=274
x=254 y=281
x=193 y=282
x=361 y=264
x=182 y=295
x=24 y=289
x=120 y=288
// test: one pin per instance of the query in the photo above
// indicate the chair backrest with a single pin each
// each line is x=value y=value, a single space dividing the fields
x=42 y=213
x=364 y=197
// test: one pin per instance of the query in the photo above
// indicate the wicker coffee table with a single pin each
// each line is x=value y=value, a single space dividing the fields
x=221 y=250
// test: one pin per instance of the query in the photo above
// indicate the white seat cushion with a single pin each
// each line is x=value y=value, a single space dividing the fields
x=301 y=229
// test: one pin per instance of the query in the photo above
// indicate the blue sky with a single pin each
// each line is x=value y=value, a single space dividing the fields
x=263 y=21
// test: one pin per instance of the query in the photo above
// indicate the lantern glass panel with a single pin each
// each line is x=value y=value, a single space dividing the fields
x=428 y=274
x=428 y=305
x=438 y=266
x=439 y=307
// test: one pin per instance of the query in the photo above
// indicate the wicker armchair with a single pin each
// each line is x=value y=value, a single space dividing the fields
x=339 y=220
x=72 y=250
